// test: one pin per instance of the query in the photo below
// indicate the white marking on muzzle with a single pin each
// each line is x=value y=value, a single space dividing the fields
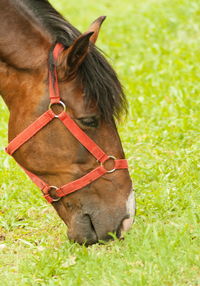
x=131 y=206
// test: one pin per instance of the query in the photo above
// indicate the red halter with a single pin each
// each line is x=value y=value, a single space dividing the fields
x=76 y=131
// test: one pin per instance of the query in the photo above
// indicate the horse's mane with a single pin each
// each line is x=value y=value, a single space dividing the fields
x=98 y=77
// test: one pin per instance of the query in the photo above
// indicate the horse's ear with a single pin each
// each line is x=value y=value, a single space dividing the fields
x=78 y=50
x=95 y=27
x=73 y=57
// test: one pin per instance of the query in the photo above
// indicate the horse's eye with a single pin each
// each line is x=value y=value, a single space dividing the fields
x=89 y=121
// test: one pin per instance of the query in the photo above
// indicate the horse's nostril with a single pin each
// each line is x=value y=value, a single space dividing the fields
x=91 y=225
x=83 y=231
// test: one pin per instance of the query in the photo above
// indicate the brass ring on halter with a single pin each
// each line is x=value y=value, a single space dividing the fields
x=53 y=188
x=112 y=170
x=59 y=103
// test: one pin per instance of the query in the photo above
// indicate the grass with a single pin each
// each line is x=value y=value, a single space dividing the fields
x=154 y=46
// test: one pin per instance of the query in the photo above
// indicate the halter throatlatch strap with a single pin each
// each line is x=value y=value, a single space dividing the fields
x=76 y=131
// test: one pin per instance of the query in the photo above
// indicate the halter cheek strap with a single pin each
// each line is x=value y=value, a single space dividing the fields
x=76 y=131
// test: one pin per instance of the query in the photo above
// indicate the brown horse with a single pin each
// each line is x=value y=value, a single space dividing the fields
x=93 y=95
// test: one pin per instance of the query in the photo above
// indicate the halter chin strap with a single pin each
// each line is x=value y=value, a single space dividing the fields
x=76 y=131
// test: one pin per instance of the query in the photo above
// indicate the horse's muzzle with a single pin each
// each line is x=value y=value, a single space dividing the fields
x=97 y=226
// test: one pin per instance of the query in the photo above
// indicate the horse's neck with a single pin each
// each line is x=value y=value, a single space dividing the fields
x=23 y=47
x=23 y=43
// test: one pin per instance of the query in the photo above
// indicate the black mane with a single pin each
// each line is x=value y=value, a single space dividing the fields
x=98 y=77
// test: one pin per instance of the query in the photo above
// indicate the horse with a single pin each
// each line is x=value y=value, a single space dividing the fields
x=64 y=100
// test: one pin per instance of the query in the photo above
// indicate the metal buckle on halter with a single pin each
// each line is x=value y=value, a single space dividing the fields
x=112 y=170
x=53 y=188
x=59 y=103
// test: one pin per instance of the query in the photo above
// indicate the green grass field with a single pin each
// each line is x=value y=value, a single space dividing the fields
x=155 y=47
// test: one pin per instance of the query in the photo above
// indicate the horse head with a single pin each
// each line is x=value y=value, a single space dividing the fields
x=93 y=97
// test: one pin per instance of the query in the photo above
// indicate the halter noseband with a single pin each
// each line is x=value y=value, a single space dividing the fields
x=76 y=131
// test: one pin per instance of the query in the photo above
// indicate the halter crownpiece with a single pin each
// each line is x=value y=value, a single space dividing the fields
x=76 y=131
